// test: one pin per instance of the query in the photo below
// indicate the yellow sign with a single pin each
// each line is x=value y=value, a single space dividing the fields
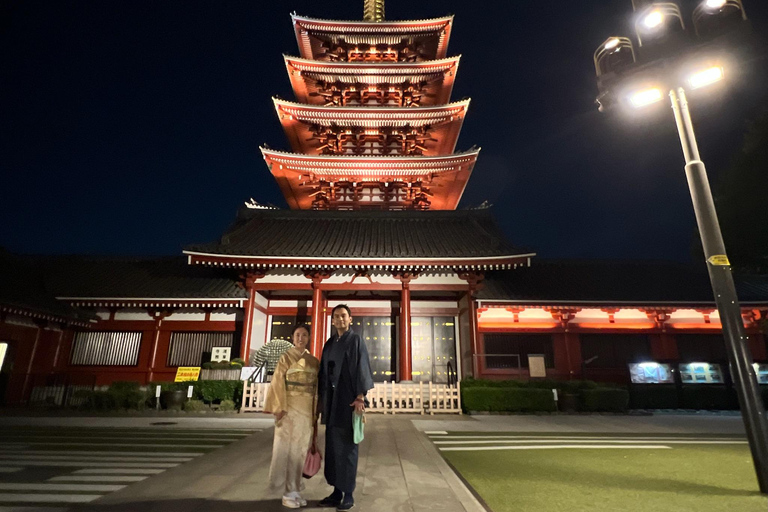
x=185 y=373
x=719 y=260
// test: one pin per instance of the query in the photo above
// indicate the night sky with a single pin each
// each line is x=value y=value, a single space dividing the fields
x=132 y=127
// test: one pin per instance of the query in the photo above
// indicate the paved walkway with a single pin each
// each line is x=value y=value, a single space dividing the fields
x=399 y=471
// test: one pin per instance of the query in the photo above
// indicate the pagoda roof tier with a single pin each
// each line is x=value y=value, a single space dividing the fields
x=308 y=76
x=312 y=34
x=460 y=240
x=298 y=175
x=441 y=124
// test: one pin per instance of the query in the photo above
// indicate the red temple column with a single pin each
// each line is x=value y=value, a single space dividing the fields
x=405 y=348
x=473 y=281
x=249 y=283
x=28 y=373
x=317 y=336
x=159 y=316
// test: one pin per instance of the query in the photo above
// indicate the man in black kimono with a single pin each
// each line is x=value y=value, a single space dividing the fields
x=344 y=379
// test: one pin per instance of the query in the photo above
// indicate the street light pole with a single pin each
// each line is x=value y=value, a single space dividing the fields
x=720 y=277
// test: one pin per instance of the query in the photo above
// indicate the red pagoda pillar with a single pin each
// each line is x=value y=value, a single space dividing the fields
x=317 y=336
x=250 y=287
x=405 y=348
x=473 y=279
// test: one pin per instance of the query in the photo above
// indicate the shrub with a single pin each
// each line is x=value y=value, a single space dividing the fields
x=219 y=390
x=220 y=365
x=227 y=406
x=96 y=400
x=238 y=360
x=235 y=365
x=604 y=399
x=128 y=395
x=508 y=398
x=654 y=396
x=195 y=406
x=207 y=365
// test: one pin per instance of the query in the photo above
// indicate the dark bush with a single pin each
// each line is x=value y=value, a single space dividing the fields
x=238 y=360
x=93 y=400
x=604 y=400
x=508 y=399
x=654 y=396
x=128 y=395
x=227 y=406
x=219 y=390
x=207 y=365
x=195 y=406
x=705 y=397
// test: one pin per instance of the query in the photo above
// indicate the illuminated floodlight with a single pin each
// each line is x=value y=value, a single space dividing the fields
x=612 y=43
x=706 y=77
x=649 y=365
x=654 y=19
x=715 y=4
x=646 y=97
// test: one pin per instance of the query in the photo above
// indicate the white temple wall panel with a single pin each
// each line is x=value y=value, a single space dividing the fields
x=284 y=276
x=290 y=303
x=261 y=300
x=130 y=314
x=186 y=315
x=429 y=278
x=20 y=320
x=258 y=331
x=224 y=316
x=433 y=304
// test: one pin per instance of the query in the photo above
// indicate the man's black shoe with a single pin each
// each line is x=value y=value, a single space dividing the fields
x=347 y=503
x=334 y=500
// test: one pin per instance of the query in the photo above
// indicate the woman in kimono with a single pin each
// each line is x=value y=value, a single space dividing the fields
x=291 y=399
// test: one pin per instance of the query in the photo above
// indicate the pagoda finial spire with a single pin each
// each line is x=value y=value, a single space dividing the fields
x=373 y=10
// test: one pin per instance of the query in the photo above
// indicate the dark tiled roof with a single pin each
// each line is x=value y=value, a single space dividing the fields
x=363 y=234
x=23 y=288
x=570 y=282
x=169 y=277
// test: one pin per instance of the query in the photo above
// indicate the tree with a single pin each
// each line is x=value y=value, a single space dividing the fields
x=742 y=201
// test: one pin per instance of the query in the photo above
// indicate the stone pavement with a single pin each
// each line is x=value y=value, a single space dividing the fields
x=399 y=471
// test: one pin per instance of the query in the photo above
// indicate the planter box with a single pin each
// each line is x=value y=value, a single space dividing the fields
x=220 y=374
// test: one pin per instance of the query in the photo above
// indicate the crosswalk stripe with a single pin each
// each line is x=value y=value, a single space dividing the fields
x=555 y=447
x=97 y=478
x=74 y=464
x=586 y=442
x=59 y=487
x=32 y=509
x=118 y=471
x=21 y=459
x=9 y=469
x=143 y=445
x=89 y=453
x=602 y=438
x=47 y=498
x=122 y=438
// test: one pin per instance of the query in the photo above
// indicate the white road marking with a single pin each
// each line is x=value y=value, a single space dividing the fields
x=588 y=441
x=603 y=438
x=555 y=447
x=4 y=469
x=59 y=487
x=436 y=432
x=12 y=459
x=95 y=453
x=47 y=498
x=215 y=439
x=118 y=471
x=140 y=445
x=97 y=478
x=75 y=464
x=32 y=509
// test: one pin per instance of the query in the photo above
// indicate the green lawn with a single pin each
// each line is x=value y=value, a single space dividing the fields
x=715 y=478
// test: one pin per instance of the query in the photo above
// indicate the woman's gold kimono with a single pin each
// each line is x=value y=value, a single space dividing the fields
x=293 y=389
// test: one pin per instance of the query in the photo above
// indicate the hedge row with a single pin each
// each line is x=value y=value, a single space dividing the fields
x=130 y=395
x=698 y=397
x=508 y=399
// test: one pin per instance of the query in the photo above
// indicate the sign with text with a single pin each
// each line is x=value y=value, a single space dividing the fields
x=185 y=373
x=220 y=353
x=537 y=366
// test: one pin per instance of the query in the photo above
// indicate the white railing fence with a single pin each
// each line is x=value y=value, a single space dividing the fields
x=385 y=397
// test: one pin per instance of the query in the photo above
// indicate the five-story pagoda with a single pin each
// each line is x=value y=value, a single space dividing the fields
x=373 y=183
x=373 y=127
